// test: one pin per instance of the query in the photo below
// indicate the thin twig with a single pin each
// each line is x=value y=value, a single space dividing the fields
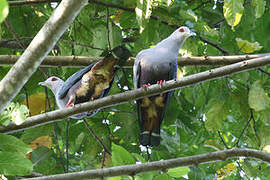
x=254 y=126
x=96 y=137
x=14 y=33
x=103 y=159
x=263 y=71
x=243 y=130
x=217 y=24
x=27 y=99
x=225 y=144
x=225 y=52
x=108 y=29
x=67 y=144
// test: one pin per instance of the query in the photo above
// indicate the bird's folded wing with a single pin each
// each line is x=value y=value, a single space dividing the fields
x=73 y=80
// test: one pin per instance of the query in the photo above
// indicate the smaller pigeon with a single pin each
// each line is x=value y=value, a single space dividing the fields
x=90 y=83
x=156 y=65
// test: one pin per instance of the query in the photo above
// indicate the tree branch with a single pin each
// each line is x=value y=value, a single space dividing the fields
x=161 y=165
x=101 y=143
x=40 y=46
x=32 y=2
x=81 y=61
x=138 y=93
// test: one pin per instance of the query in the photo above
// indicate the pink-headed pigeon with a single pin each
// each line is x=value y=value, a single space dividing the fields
x=89 y=83
x=156 y=65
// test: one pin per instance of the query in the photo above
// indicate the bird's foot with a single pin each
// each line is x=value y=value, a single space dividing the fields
x=145 y=86
x=70 y=103
x=160 y=82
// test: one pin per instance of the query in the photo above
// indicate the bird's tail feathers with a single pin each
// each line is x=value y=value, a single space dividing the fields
x=149 y=138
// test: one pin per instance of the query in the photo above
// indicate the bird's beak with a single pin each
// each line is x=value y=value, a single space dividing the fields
x=42 y=83
x=192 y=33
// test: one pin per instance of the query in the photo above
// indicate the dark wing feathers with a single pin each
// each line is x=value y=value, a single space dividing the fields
x=73 y=80
x=172 y=75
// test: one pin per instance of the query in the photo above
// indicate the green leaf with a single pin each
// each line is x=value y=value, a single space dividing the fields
x=12 y=144
x=257 y=97
x=114 y=35
x=206 y=31
x=143 y=12
x=115 y=178
x=216 y=114
x=233 y=11
x=178 y=172
x=188 y=15
x=265 y=116
x=138 y=157
x=14 y=164
x=31 y=134
x=3 y=10
x=162 y=177
x=240 y=98
x=44 y=162
x=15 y=112
x=146 y=176
x=121 y=156
x=246 y=46
x=259 y=7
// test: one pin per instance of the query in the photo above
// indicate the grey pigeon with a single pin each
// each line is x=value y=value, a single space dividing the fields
x=156 y=65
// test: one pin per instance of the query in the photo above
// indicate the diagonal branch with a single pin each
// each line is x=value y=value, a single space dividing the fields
x=81 y=61
x=106 y=150
x=161 y=165
x=38 y=49
x=225 y=52
x=138 y=93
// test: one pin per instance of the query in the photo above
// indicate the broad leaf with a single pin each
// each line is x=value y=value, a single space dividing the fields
x=13 y=164
x=120 y=156
x=216 y=114
x=257 y=98
x=259 y=7
x=265 y=116
x=163 y=177
x=233 y=11
x=178 y=172
x=246 y=46
x=12 y=144
x=3 y=10
x=14 y=112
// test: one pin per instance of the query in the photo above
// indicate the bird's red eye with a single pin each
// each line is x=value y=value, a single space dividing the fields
x=181 y=30
x=54 y=79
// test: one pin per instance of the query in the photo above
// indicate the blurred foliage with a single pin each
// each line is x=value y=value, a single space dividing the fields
x=206 y=117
